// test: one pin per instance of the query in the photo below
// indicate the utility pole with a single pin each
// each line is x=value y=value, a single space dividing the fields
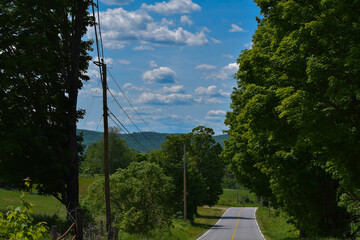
x=106 y=150
x=184 y=182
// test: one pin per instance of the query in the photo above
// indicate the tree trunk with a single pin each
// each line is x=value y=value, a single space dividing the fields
x=73 y=85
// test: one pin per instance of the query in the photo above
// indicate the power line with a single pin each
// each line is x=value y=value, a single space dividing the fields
x=129 y=102
x=130 y=118
x=128 y=132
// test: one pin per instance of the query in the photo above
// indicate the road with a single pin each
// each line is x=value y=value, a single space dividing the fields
x=235 y=224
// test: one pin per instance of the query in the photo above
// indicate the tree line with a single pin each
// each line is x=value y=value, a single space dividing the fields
x=147 y=190
x=294 y=135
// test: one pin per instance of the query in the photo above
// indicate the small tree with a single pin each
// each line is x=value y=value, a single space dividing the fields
x=139 y=195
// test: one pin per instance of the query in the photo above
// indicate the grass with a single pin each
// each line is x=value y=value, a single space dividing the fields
x=246 y=198
x=277 y=228
x=185 y=231
x=46 y=205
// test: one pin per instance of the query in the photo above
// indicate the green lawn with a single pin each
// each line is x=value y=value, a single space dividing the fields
x=246 y=198
x=43 y=204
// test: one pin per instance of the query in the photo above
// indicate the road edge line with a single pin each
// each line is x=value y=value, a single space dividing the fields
x=258 y=224
x=213 y=226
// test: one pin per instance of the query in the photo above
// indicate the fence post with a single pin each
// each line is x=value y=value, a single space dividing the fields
x=79 y=224
x=54 y=230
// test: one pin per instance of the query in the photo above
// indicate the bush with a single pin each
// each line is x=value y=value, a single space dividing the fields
x=18 y=223
x=140 y=198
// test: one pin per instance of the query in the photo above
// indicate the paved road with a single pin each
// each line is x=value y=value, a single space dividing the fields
x=235 y=224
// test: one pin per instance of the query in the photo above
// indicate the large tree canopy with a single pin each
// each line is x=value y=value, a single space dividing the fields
x=294 y=125
x=204 y=168
x=43 y=60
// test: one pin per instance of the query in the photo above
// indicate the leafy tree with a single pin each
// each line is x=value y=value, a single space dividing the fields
x=295 y=113
x=43 y=60
x=204 y=168
x=120 y=155
x=140 y=197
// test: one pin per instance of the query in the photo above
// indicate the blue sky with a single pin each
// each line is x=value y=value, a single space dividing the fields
x=173 y=59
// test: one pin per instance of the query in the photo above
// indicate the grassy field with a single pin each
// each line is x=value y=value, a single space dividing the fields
x=277 y=228
x=246 y=198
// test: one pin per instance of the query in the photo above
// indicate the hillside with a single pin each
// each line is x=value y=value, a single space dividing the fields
x=155 y=138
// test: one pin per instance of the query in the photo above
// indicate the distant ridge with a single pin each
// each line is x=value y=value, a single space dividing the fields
x=157 y=139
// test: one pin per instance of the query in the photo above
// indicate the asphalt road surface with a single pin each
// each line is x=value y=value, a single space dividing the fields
x=235 y=224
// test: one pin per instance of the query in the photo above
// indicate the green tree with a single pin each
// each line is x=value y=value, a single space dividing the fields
x=120 y=155
x=204 y=168
x=295 y=113
x=140 y=198
x=43 y=61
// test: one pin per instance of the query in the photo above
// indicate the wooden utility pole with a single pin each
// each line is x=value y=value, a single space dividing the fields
x=185 y=183
x=106 y=150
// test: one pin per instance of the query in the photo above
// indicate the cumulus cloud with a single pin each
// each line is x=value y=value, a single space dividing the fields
x=161 y=75
x=172 y=7
x=143 y=48
x=215 y=115
x=211 y=91
x=236 y=28
x=130 y=86
x=124 y=61
x=121 y=27
x=90 y=92
x=214 y=40
x=173 y=89
x=224 y=73
x=116 y=2
x=165 y=99
x=186 y=20
x=205 y=67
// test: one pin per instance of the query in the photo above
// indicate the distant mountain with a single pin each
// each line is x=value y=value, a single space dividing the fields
x=145 y=138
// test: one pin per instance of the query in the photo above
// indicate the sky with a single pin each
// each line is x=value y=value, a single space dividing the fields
x=174 y=60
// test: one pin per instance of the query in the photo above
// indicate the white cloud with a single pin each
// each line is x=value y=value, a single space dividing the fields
x=211 y=91
x=225 y=73
x=214 y=40
x=167 y=22
x=216 y=113
x=165 y=99
x=116 y=2
x=124 y=61
x=236 y=28
x=108 y=61
x=143 y=48
x=121 y=28
x=205 y=67
x=153 y=64
x=160 y=75
x=130 y=86
x=186 y=20
x=172 y=7
x=173 y=89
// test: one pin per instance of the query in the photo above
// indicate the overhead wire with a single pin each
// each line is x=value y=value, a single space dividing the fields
x=128 y=131
x=129 y=101
x=127 y=115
